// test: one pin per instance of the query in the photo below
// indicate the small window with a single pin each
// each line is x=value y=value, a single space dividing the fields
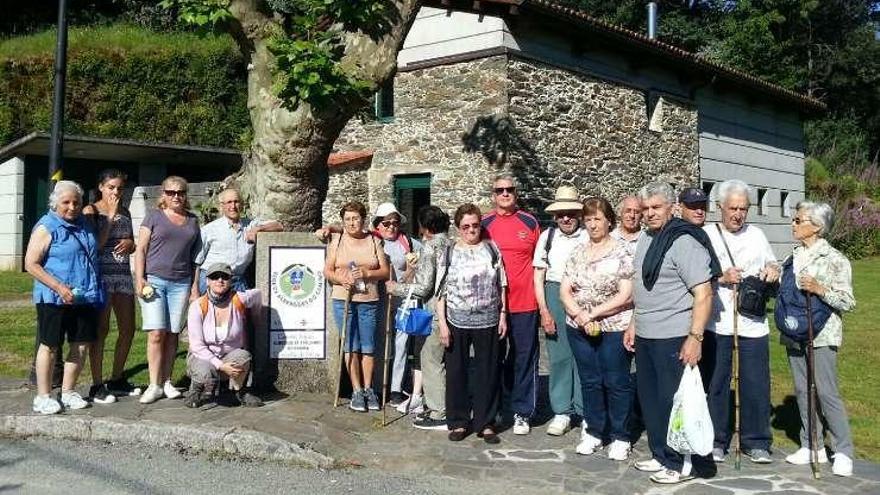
x=762 y=202
x=384 y=102
x=655 y=104
x=709 y=189
x=784 y=204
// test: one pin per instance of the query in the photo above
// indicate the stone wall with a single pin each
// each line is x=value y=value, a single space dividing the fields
x=347 y=183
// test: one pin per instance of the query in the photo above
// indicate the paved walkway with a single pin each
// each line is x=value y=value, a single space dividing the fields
x=307 y=430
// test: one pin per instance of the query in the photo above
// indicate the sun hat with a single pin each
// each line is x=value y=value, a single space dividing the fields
x=566 y=199
x=385 y=209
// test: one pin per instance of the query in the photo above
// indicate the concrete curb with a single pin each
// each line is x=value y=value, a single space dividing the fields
x=210 y=440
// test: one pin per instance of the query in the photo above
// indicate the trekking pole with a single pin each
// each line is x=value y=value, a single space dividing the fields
x=387 y=349
x=811 y=394
x=737 y=449
x=342 y=332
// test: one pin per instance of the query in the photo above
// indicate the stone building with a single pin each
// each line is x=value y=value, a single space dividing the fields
x=556 y=97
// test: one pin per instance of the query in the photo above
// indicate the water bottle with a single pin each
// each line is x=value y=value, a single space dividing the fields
x=77 y=295
x=359 y=285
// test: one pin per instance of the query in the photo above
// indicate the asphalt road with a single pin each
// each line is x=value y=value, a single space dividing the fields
x=47 y=466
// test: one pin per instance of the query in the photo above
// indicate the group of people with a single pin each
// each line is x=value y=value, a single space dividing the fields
x=646 y=284
x=184 y=276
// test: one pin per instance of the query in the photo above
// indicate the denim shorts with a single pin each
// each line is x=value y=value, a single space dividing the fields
x=363 y=318
x=166 y=310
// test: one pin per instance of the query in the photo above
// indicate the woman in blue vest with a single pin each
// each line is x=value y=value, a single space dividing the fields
x=62 y=256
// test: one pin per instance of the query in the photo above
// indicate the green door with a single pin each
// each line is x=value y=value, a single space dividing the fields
x=411 y=192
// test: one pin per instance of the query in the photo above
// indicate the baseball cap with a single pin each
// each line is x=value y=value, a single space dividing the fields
x=218 y=268
x=693 y=195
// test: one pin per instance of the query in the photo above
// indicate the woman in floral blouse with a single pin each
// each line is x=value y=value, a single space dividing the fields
x=596 y=291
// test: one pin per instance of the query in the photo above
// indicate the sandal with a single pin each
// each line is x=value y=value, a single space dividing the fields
x=458 y=434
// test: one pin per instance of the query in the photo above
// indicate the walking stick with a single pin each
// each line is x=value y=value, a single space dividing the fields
x=387 y=338
x=811 y=394
x=737 y=449
x=342 y=332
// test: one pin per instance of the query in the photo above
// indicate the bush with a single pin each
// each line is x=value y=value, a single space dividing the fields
x=129 y=82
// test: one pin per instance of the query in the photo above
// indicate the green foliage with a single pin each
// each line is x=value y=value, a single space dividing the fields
x=129 y=82
x=201 y=13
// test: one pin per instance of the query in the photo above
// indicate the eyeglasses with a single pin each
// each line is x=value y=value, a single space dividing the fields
x=567 y=214
x=219 y=276
x=391 y=223
x=174 y=192
x=798 y=220
x=508 y=190
x=231 y=202
x=471 y=226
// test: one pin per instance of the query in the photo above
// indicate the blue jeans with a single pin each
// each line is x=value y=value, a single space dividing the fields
x=362 y=321
x=603 y=366
x=238 y=283
x=521 y=368
x=754 y=388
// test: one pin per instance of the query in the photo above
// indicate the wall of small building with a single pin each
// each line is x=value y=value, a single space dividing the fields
x=11 y=213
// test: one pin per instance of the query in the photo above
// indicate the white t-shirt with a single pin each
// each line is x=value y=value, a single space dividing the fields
x=560 y=250
x=752 y=252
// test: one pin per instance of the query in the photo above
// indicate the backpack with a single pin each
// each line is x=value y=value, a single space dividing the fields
x=790 y=314
x=548 y=245
x=237 y=305
x=493 y=252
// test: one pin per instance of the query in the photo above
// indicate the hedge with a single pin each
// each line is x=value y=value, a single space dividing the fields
x=129 y=82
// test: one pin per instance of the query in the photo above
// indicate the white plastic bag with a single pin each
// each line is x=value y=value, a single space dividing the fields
x=690 y=426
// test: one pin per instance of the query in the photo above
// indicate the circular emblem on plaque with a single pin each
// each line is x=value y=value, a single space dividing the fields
x=298 y=285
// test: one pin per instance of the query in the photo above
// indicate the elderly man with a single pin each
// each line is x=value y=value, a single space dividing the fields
x=554 y=248
x=672 y=291
x=230 y=239
x=629 y=212
x=743 y=251
x=516 y=233
x=692 y=205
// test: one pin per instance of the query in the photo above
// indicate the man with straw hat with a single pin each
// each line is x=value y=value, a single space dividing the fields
x=554 y=247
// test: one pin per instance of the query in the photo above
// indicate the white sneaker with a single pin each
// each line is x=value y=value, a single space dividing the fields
x=588 y=444
x=152 y=394
x=521 y=425
x=413 y=404
x=618 y=450
x=171 y=391
x=802 y=457
x=560 y=424
x=843 y=465
x=72 y=400
x=649 y=466
x=669 y=477
x=45 y=404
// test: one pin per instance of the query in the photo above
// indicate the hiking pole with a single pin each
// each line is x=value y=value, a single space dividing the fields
x=387 y=349
x=342 y=332
x=737 y=450
x=811 y=394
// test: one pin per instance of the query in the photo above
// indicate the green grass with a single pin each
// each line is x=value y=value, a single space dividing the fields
x=15 y=285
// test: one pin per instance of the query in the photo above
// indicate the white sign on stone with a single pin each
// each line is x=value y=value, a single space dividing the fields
x=297 y=317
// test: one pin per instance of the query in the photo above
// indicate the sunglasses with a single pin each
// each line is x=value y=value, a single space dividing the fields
x=219 y=276
x=471 y=226
x=390 y=223
x=502 y=190
x=175 y=192
x=798 y=221
x=567 y=214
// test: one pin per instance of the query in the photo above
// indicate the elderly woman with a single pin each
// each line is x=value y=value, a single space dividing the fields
x=596 y=291
x=217 y=339
x=471 y=310
x=355 y=264
x=62 y=256
x=115 y=244
x=822 y=270
x=168 y=241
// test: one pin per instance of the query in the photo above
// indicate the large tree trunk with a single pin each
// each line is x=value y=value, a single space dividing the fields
x=285 y=174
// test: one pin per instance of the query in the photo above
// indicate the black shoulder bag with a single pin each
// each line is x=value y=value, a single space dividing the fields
x=753 y=293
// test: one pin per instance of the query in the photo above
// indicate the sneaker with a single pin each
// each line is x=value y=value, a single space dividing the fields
x=843 y=465
x=100 y=395
x=247 y=399
x=521 y=425
x=396 y=399
x=195 y=396
x=45 y=404
x=649 y=466
x=618 y=450
x=170 y=390
x=759 y=456
x=560 y=424
x=122 y=388
x=152 y=394
x=372 y=399
x=413 y=404
x=669 y=477
x=802 y=457
x=358 y=401
x=429 y=423
x=588 y=444
x=718 y=454
x=72 y=400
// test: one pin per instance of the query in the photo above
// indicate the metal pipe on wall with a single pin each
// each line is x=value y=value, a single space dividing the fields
x=652 y=20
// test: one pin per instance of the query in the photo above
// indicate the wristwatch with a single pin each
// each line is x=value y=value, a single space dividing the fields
x=695 y=335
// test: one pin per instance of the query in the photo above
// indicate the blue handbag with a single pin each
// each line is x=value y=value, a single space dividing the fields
x=413 y=320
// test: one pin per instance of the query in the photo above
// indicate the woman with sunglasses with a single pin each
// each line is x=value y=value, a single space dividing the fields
x=168 y=240
x=471 y=310
x=116 y=243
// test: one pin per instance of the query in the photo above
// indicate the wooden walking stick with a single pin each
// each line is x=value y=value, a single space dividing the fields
x=811 y=394
x=387 y=339
x=342 y=332
x=737 y=448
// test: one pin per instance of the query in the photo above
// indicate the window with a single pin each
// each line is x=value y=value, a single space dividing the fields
x=383 y=102
x=709 y=188
x=785 y=204
x=655 y=104
x=763 y=199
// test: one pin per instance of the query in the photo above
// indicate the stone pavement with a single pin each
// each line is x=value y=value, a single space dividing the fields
x=306 y=430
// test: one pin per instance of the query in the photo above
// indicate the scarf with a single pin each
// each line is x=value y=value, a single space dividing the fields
x=663 y=240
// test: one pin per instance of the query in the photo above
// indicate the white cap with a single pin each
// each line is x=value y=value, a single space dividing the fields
x=386 y=209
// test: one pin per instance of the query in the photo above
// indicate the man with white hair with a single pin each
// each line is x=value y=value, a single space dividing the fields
x=628 y=230
x=743 y=251
x=672 y=293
